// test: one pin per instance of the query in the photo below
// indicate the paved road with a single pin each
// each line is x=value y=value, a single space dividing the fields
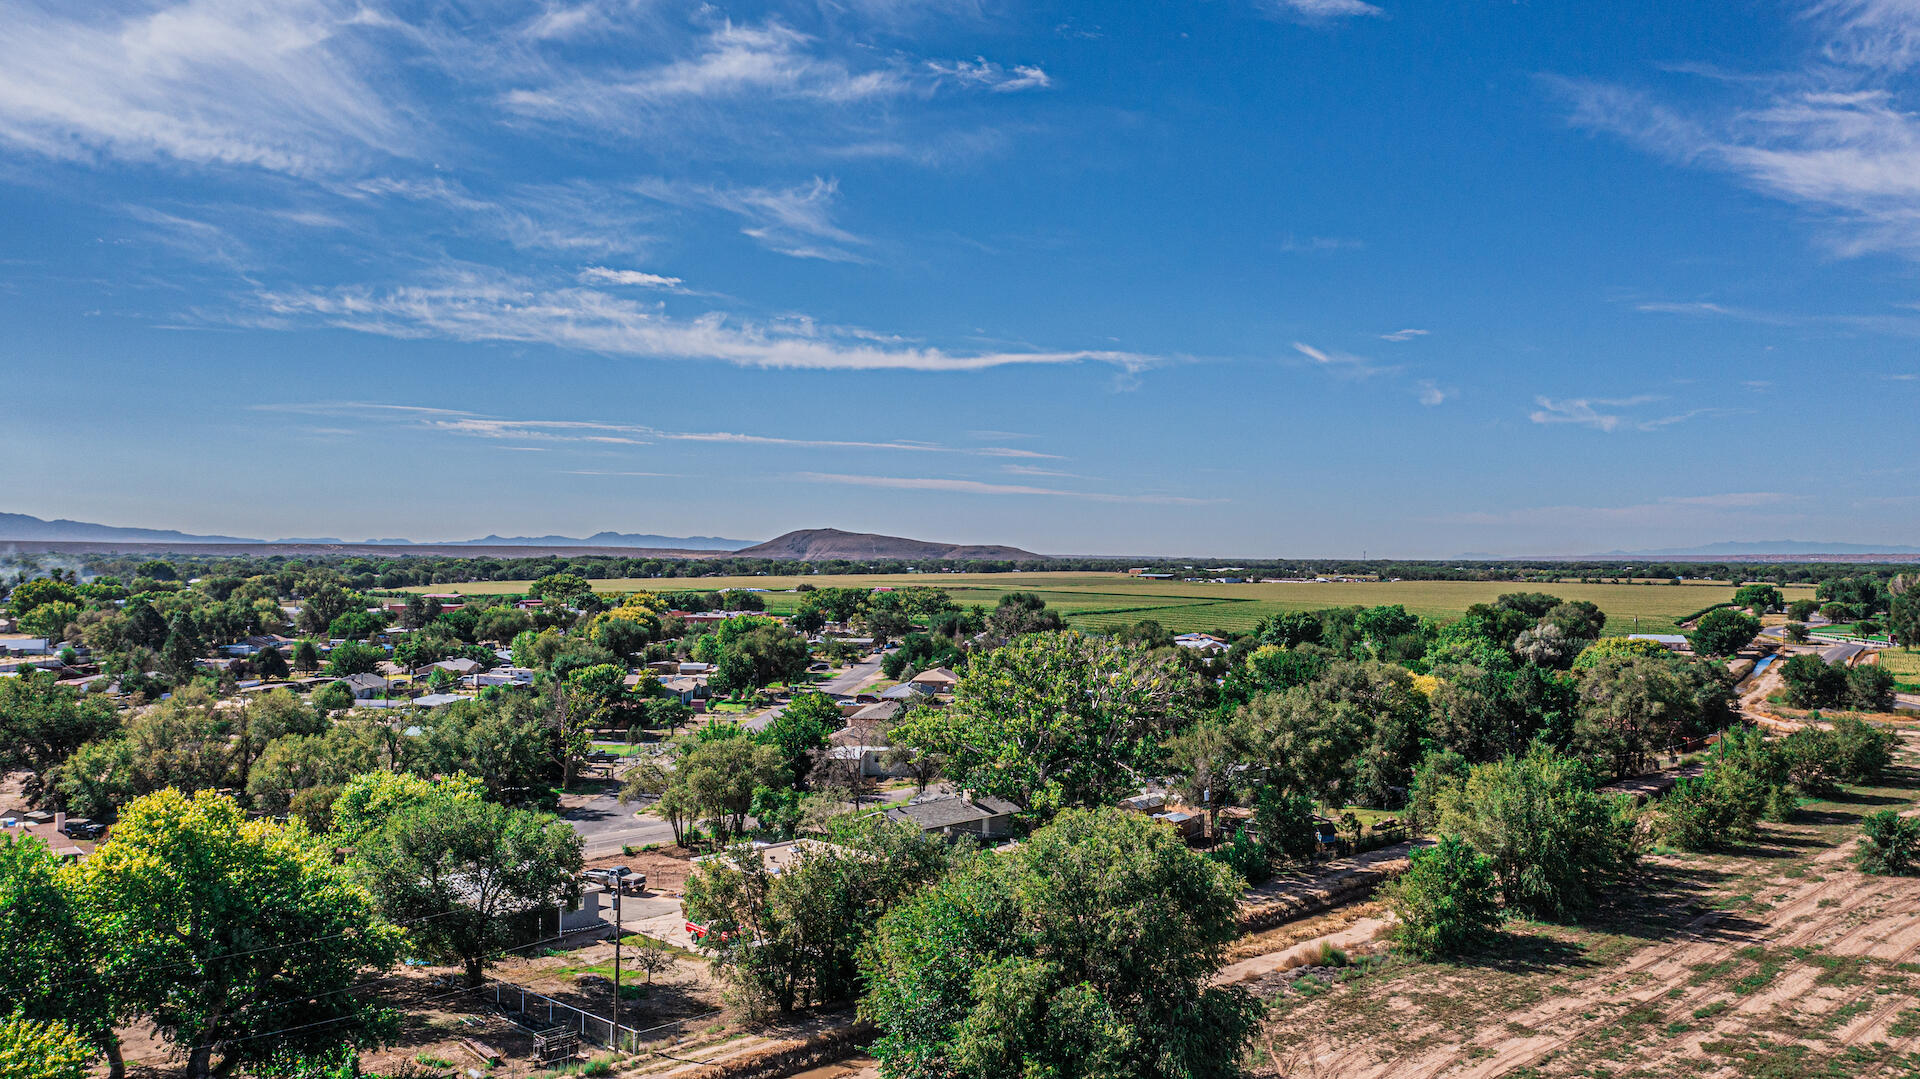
x=843 y=684
x=605 y=825
x=1840 y=655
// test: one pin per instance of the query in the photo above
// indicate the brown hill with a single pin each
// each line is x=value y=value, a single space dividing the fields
x=826 y=544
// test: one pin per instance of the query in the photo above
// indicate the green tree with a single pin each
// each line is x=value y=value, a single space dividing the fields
x=1870 y=687
x=224 y=929
x=37 y=1049
x=367 y=800
x=1723 y=631
x=1607 y=647
x=454 y=867
x=353 y=657
x=801 y=729
x=1813 y=683
x=52 y=952
x=50 y=620
x=1556 y=843
x=1903 y=618
x=1056 y=719
x=716 y=777
x=1085 y=952
x=1758 y=598
x=1890 y=844
x=306 y=657
x=1445 y=903
x=1802 y=610
x=1861 y=751
x=270 y=663
x=792 y=938
x=564 y=588
x=317 y=765
x=42 y=724
x=1635 y=706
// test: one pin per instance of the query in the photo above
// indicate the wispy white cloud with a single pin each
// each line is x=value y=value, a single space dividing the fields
x=1430 y=392
x=1323 y=10
x=476 y=425
x=471 y=305
x=790 y=220
x=1831 y=137
x=601 y=275
x=1342 y=362
x=1321 y=244
x=277 y=86
x=979 y=487
x=1889 y=324
x=1404 y=335
x=1612 y=413
x=984 y=73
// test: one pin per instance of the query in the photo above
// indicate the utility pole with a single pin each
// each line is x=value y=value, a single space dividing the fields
x=616 y=966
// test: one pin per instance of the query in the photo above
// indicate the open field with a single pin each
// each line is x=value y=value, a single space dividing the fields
x=1779 y=960
x=1115 y=599
x=1905 y=666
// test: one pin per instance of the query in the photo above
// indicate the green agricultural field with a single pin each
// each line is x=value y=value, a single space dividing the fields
x=1098 y=600
x=1905 y=666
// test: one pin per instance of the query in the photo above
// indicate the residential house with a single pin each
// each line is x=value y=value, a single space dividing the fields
x=870 y=760
x=956 y=815
x=937 y=680
x=906 y=692
x=1672 y=642
x=365 y=687
x=1201 y=642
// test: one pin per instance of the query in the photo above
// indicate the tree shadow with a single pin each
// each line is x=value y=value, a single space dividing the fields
x=1861 y=798
x=1671 y=902
x=1527 y=953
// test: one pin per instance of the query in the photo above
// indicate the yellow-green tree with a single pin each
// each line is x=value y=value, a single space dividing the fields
x=238 y=938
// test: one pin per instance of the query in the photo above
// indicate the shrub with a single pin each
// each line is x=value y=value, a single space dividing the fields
x=1812 y=683
x=1245 y=856
x=1870 y=688
x=1556 y=842
x=1862 y=751
x=1812 y=759
x=1285 y=825
x=1445 y=902
x=1699 y=815
x=1890 y=843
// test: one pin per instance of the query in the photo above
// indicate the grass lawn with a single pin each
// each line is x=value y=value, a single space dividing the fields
x=1103 y=600
x=1848 y=629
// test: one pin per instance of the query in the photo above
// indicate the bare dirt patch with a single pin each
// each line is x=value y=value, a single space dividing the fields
x=1781 y=960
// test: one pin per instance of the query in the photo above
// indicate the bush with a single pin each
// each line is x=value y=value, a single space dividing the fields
x=1812 y=759
x=1445 y=901
x=1812 y=683
x=1245 y=856
x=1861 y=751
x=1890 y=843
x=1556 y=842
x=1870 y=688
x=1699 y=815
x=1724 y=632
x=1284 y=823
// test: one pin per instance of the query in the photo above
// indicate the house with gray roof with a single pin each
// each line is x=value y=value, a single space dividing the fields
x=955 y=815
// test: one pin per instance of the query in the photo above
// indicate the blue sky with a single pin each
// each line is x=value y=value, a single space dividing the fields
x=1262 y=277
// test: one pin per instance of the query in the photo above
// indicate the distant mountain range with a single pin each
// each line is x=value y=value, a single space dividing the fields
x=20 y=526
x=1737 y=548
x=829 y=544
